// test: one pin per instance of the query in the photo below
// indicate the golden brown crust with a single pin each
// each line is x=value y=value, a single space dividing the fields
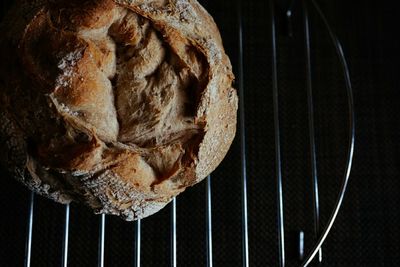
x=125 y=102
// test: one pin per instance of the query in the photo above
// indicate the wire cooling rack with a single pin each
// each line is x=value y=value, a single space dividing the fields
x=320 y=231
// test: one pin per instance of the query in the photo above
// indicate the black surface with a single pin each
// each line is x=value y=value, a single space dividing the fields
x=366 y=232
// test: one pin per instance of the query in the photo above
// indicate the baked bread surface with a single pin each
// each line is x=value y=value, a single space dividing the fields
x=118 y=104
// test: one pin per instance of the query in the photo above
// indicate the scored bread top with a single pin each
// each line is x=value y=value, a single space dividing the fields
x=119 y=104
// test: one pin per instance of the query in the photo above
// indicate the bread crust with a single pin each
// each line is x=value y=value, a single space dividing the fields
x=122 y=104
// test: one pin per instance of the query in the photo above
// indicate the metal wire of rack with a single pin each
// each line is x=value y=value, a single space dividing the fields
x=320 y=233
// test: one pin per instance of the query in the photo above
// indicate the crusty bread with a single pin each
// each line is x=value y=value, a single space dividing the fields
x=120 y=104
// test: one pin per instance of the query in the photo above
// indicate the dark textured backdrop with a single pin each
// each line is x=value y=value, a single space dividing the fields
x=366 y=232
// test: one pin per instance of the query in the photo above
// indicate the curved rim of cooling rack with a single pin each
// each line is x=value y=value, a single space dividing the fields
x=350 y=153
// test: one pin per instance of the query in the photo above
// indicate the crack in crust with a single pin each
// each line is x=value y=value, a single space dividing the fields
x=125 y=103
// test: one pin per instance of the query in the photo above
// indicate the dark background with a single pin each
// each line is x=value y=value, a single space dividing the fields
x=366 y=232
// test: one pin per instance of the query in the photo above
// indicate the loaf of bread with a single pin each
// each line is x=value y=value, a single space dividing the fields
x=119 y=104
